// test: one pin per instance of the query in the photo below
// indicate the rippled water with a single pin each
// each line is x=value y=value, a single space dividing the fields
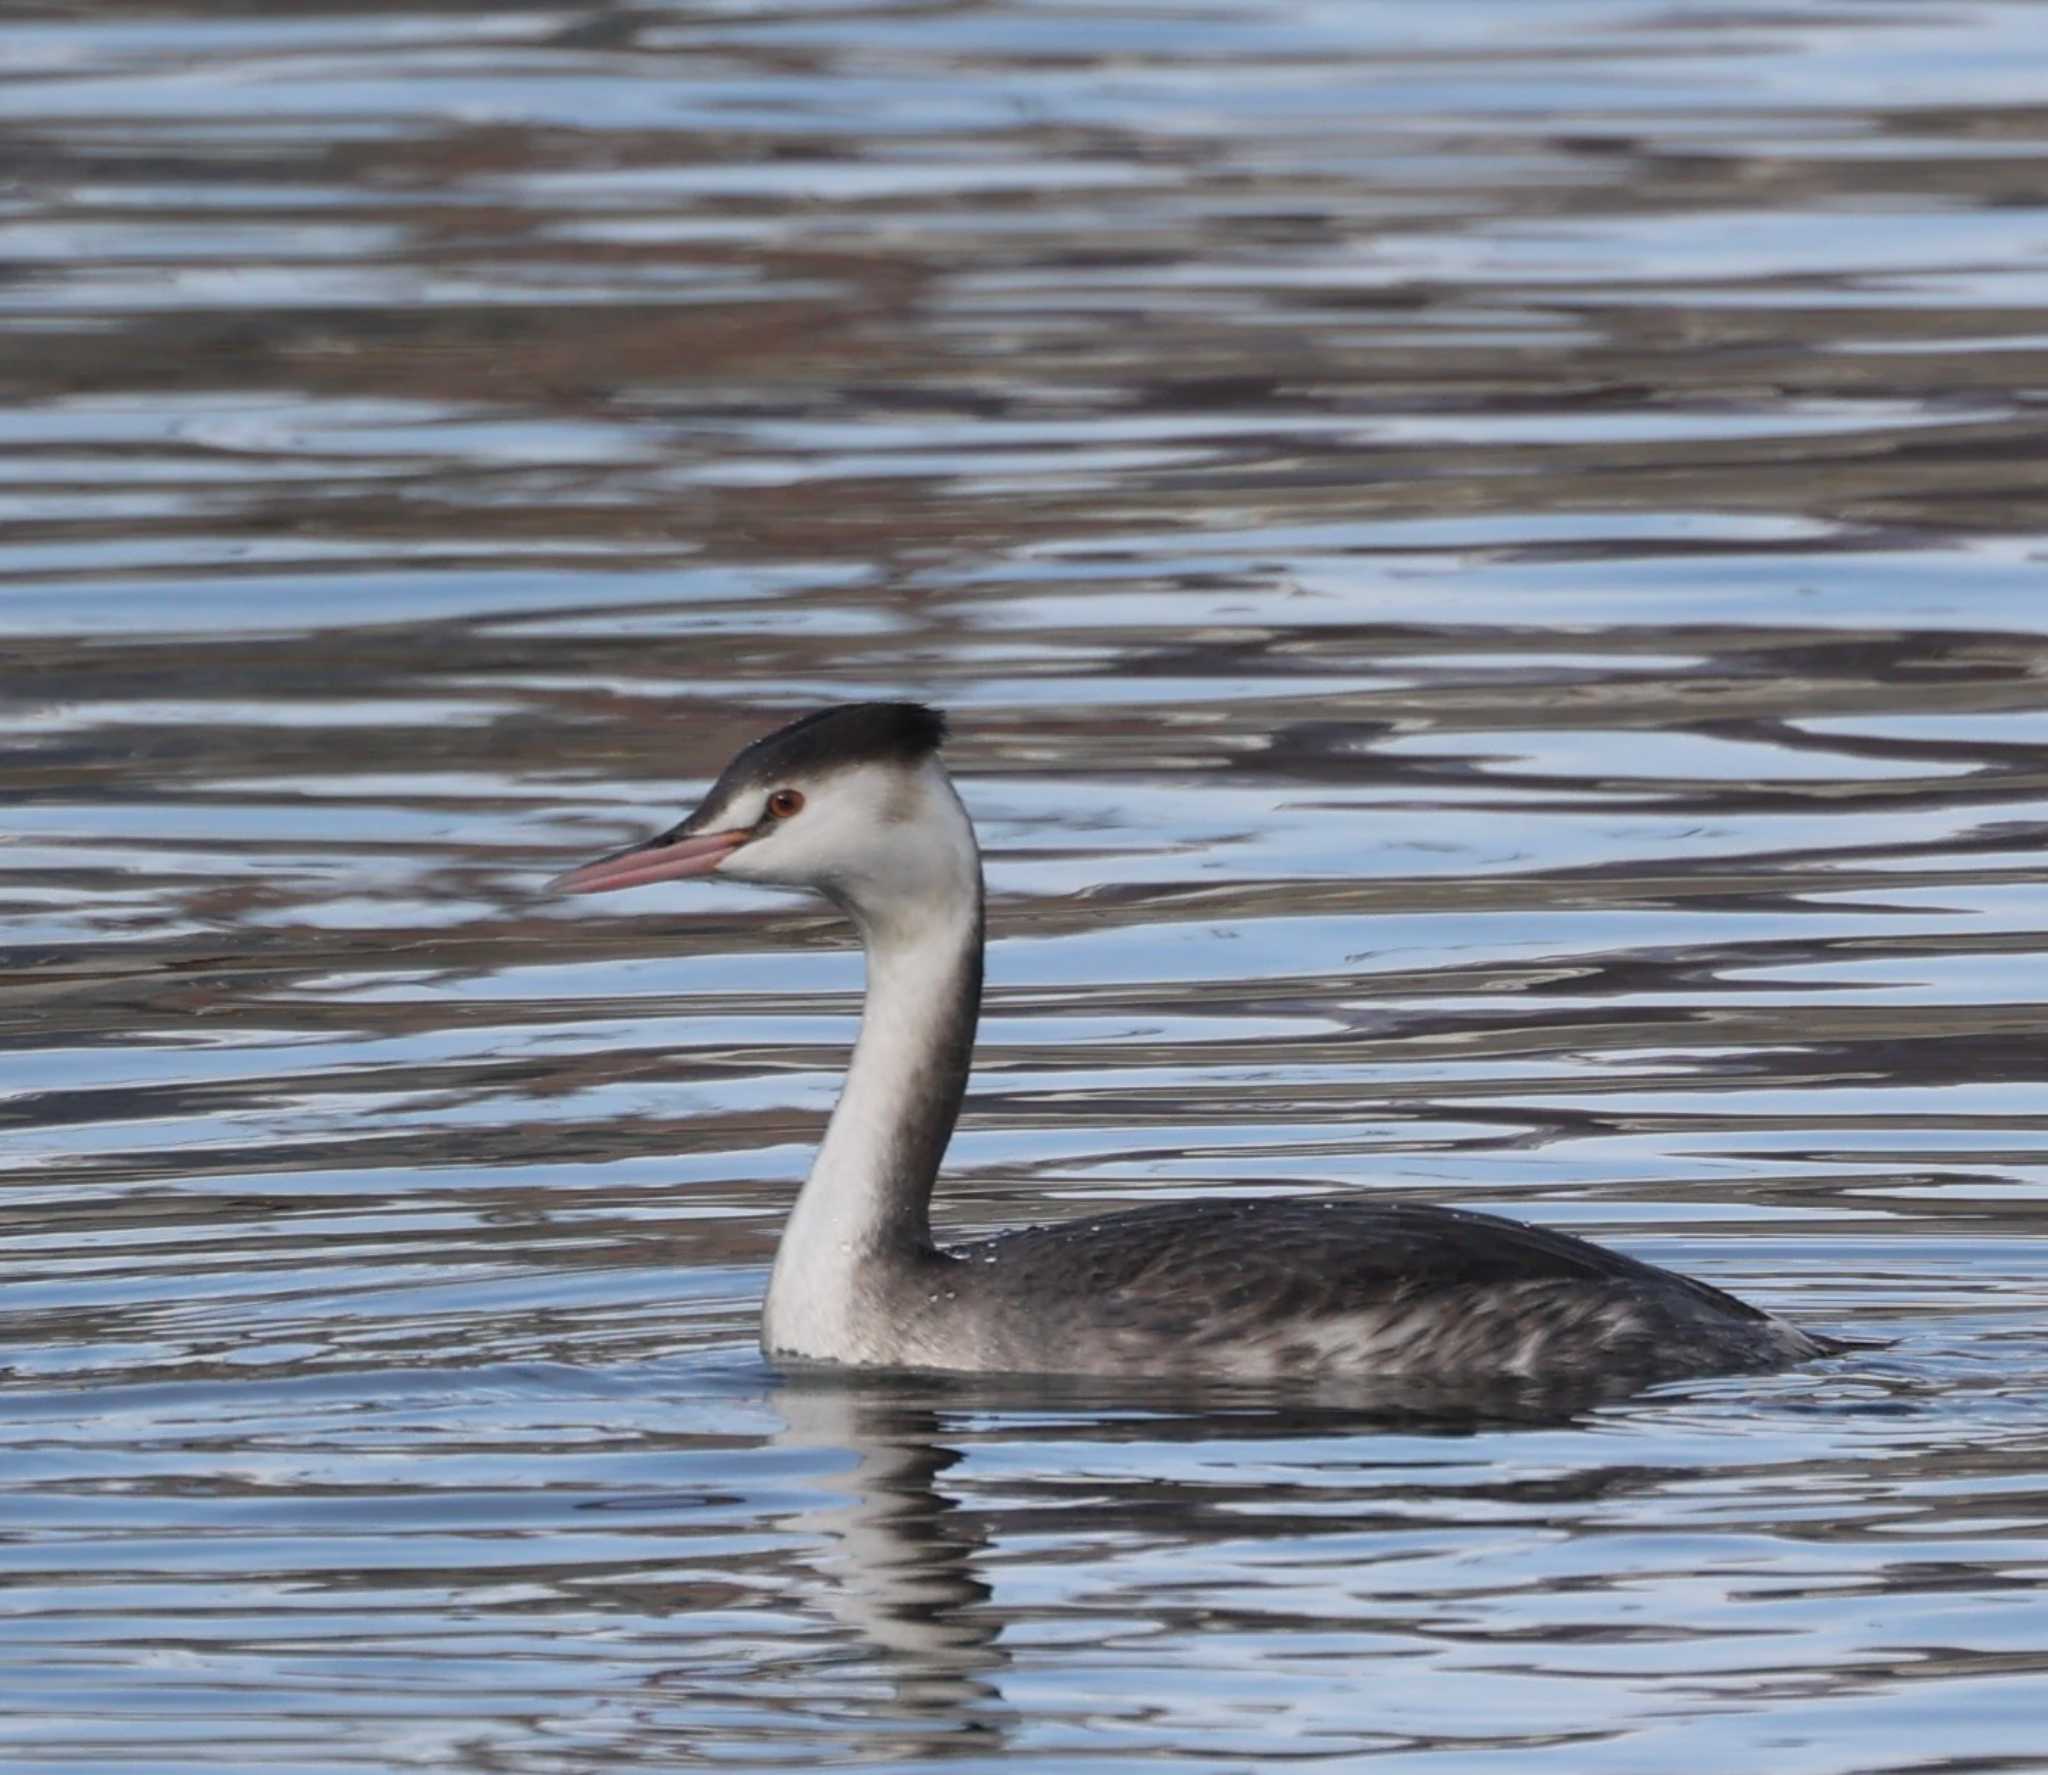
x=1488 y=563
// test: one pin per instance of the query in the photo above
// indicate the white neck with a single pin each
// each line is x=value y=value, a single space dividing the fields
x=866 y=1203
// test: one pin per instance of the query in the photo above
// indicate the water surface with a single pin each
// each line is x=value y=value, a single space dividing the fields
x=1488 y=568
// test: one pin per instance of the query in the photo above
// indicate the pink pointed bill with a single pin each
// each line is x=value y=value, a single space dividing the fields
x=653 y=861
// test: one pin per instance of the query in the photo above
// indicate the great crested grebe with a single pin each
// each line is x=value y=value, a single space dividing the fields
x=852 y=803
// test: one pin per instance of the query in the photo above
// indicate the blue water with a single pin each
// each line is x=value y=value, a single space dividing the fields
x=1488 y=567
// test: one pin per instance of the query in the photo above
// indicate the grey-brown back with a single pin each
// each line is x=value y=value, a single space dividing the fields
x=1311 y=1286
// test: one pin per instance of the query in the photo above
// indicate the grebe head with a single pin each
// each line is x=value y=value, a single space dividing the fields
x=850 y=803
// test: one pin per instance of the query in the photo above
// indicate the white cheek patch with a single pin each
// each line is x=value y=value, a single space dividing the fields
x=742 y=813
x=904 y=802
x=882 y=841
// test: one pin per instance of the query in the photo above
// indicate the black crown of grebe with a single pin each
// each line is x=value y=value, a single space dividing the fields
x=852 y=803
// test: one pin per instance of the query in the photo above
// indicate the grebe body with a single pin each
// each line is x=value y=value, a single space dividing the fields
x=852 y=803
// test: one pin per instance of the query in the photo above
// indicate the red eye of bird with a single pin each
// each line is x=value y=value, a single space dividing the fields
x=785 y=802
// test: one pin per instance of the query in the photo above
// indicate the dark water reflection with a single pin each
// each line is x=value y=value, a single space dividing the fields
x=1488 y=564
